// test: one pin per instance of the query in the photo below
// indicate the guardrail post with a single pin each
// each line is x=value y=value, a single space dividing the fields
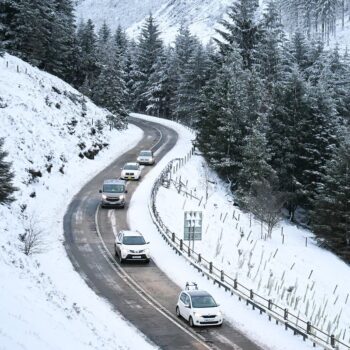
x=173 y=236
x=251 y=294
x=285 y=314
x=199 y=258
x=210 y=267
x=222 y=276
x=181 y=244
x=332 y=341
x=235 y=283
x=269 y=305
x=189 y=251
x=308 y=327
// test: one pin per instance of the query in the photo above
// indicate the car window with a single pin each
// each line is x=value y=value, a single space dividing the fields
x=113 y=188
x=131 y=167
x=133 y=240
x=187 y=300
x=183 y=297
x=146 y=153
x=202 y=301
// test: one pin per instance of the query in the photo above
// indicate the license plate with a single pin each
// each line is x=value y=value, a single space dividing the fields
x=136 y=257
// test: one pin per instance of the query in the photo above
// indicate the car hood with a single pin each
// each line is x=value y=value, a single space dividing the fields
x=207 y=310
x=113 y=194
x=135 y=247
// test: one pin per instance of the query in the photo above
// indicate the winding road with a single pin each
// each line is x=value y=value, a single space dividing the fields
x=143 y=294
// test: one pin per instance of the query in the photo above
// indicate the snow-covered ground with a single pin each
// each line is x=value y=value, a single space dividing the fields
x=45 y=304
x=309 y=281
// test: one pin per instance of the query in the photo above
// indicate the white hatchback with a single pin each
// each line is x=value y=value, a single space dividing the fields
x=131 y=171
x=199 y=308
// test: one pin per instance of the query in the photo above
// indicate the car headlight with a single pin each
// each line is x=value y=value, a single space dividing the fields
x=104 y=196
x=219 y=313
x=122 y=197
x=124 y=251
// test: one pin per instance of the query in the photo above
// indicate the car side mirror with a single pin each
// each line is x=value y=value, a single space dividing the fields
x=117 y=242
x=147 y=242
x=188 y=306
x=126 y=191
x=100 y=191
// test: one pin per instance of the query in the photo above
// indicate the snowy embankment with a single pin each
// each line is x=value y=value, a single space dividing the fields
x=46 y=124
x=307 y=280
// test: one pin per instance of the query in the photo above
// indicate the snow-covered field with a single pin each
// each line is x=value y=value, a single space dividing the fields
x=307 y=280
x=45 y=304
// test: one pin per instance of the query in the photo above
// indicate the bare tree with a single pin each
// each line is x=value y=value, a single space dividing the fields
x=32 y=238
x=266 y=204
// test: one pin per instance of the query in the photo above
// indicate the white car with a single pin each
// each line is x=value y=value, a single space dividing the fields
x=146 y=158
x=199 y=308
x=131 y=171
x=131 y=245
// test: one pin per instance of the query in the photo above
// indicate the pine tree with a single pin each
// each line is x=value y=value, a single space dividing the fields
x=331 y=214
x=8 y=11
x=61 y=57
x=188 y=60
x=6 y=176
x=88 y=65
x=289 y=108
x=223 y=117
x=104 y=44
x=109 y=91
x=33 y=29
x=256 y=166
x=241 y=28
x=156 y=88
x=270 y=61
x=149 y=48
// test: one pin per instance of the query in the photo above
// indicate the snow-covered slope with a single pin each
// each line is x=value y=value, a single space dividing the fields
x=202 y=16
x=115 y=12
x=44 y=303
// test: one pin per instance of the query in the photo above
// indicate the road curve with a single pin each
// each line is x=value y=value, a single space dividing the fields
x=143 y=294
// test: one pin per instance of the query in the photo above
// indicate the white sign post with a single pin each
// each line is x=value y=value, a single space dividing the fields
x=193 y=226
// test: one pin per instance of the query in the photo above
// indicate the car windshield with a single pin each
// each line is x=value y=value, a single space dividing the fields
x=133 y=240
x=113 y=188
x=202 y=301
x=146 y=153
x=131 y=167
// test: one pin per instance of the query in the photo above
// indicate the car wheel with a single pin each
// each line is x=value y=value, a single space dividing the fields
x=121 y=260
x=147 y=261
x=178 y=311
x=190 y=321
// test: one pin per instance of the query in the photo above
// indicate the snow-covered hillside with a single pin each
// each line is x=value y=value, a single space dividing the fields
x=202 y=16
x=46 y=125
x=116 y=12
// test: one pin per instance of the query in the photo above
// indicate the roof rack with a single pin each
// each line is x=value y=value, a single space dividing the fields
x=191 y=286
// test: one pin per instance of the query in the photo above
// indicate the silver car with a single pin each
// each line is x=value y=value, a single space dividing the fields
x=113 y=193
x=146 y=157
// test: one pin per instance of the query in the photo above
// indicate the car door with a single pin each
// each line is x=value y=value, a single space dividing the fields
x=119 y=240
x=182 y=300
x=187 y=310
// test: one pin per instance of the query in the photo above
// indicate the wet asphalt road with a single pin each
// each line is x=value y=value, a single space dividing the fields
x=143 y=294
